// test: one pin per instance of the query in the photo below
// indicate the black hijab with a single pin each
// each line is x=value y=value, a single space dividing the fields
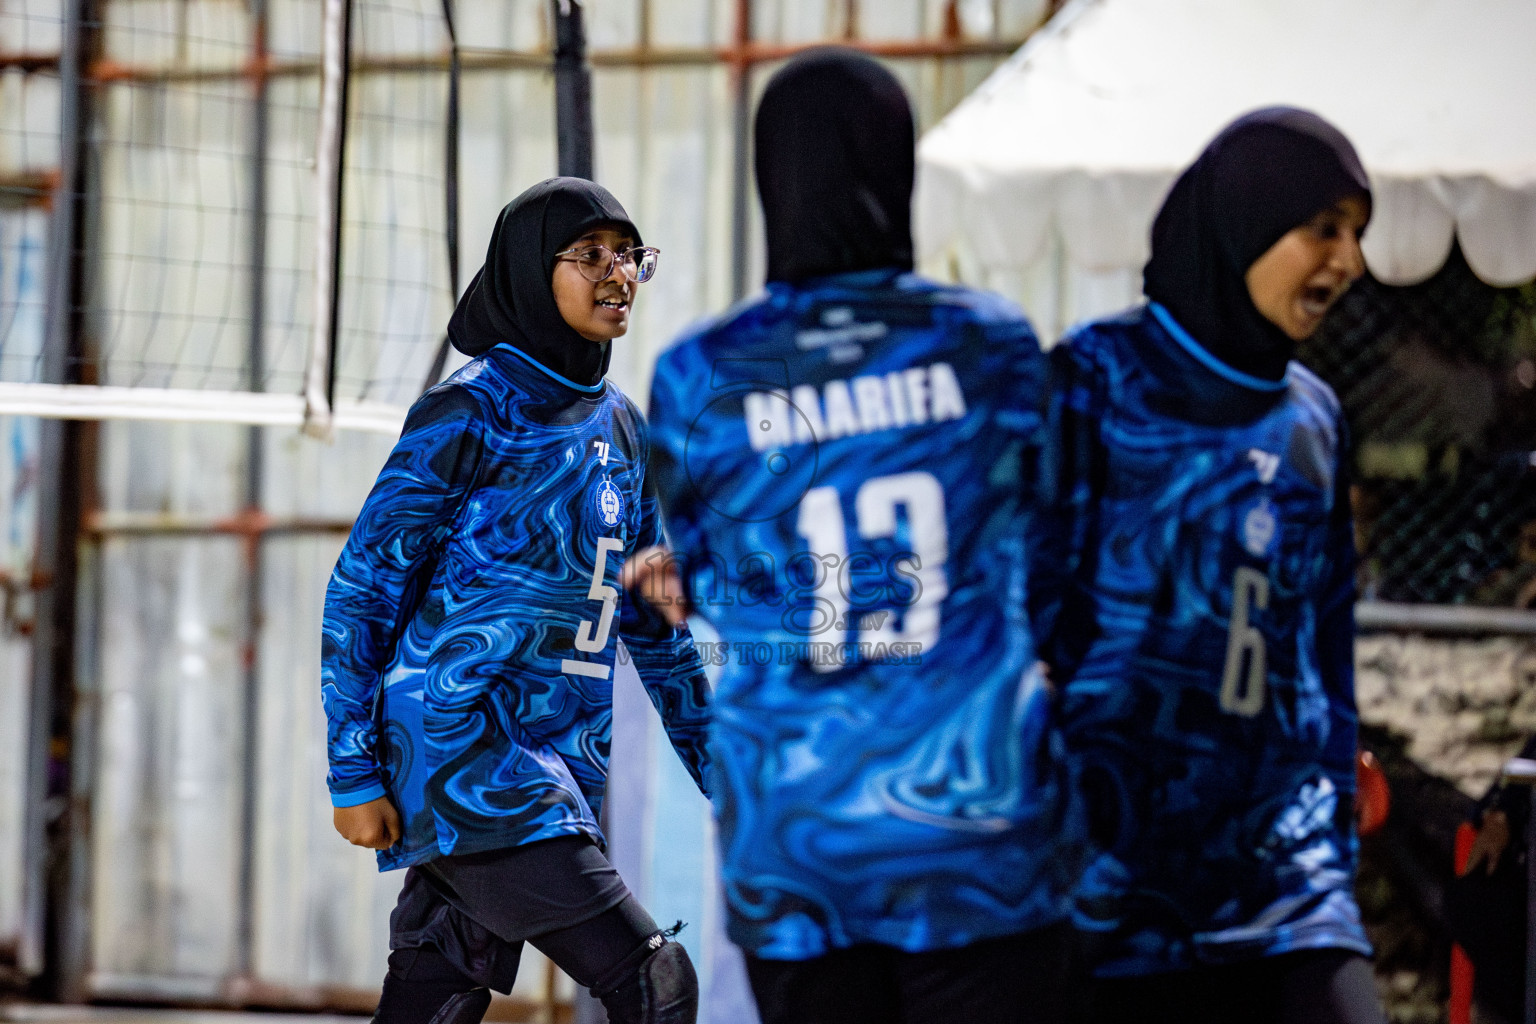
x=511 y=300
x=835 y=159
x=1267 y=172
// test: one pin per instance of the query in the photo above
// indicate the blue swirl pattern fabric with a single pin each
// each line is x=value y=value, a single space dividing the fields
x=845 y=471
x=468 y=647
x=1203 y=635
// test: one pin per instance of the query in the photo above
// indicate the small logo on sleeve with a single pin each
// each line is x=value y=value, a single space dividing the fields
x=610 y=503
x=1266 y=464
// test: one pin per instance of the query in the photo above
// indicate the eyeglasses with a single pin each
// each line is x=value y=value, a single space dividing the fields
x=596 y=261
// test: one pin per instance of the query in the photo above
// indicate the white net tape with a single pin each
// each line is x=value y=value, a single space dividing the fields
x=89 y=402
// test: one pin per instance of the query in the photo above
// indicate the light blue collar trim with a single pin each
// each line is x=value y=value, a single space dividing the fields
x=546 y=371
x=1207 y=360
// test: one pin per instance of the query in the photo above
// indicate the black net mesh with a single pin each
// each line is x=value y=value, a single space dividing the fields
x=172 y=146
x=1438 y=381
x=29 y=158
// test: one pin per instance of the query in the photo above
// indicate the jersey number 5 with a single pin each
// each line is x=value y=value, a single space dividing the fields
x=593 y=638
x=1242 y=679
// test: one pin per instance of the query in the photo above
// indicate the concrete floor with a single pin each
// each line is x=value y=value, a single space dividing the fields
x=47 y=1013
x=42 y=1013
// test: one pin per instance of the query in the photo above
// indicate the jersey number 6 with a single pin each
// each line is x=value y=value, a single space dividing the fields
x=1242 y=679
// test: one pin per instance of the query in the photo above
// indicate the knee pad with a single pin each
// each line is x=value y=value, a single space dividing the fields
x=422 y=987
x=464 y=1008
x=655 y=984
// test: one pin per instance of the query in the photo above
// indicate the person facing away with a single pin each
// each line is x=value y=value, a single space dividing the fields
x=843 y=463
x=470 y=634
x=1486 y=904
x=1204 y=635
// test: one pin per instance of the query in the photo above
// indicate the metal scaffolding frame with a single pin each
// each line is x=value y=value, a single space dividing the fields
x=70 y=520
x=51 y=926
x=72 y=523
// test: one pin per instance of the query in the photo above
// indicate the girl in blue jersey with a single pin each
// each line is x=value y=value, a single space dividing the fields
x=468 y=644
x=1204 y=636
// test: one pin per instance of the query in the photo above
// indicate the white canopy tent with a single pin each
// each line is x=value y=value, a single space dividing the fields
x=1044 y=182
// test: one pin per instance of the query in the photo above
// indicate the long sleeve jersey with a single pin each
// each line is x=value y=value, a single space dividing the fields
x=844 y=467
x=1203 y=635
x=471 y=621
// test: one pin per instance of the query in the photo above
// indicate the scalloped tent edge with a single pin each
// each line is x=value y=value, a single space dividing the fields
x=1046 y=178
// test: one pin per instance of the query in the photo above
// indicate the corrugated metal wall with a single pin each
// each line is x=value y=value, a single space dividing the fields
x=18 y=508
x=29 y=147
x=211 y=871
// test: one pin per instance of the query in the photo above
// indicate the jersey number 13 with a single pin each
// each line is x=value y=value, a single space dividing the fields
x=822 y=525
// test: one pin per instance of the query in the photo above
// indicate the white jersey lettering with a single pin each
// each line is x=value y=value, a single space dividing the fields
x=848 y=408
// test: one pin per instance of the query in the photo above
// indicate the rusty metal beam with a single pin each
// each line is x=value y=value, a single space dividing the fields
x=20 y=189
x=108 y=72
x=30 y=62
x=248 y=523
x=741 y=145
x=896 y=49
x=255 y=461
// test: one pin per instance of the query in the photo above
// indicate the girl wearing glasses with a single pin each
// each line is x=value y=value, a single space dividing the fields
x=469 y=637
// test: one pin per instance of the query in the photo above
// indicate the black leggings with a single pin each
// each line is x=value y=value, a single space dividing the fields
x=422 y=979
x=1019 y=979
x=461 y=921
x=1320 y=986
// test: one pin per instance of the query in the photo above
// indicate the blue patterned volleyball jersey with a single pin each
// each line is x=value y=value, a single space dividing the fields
x=845 y=471
x=1203 y=638
x=471 y=623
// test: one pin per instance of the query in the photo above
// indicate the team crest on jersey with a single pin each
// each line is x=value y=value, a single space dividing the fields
x=610 y=503
x=1259 y=528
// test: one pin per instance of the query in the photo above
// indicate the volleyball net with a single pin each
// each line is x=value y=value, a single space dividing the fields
x=266 y=190
x=258 y=226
